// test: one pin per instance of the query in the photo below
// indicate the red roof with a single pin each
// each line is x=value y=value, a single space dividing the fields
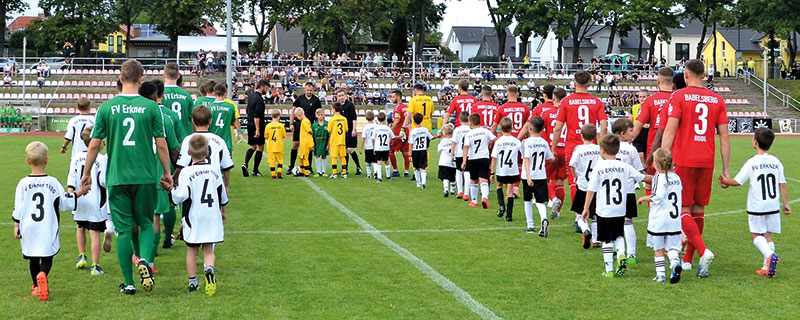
x=22 y=23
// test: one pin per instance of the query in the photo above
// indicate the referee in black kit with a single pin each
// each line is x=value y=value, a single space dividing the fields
x=351 y=140
x=256 y=124
x=309 y=103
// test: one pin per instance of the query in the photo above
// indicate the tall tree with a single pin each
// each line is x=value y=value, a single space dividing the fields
x=125 y=12
x=502 y=16
x=7 y=8
x=261 y=17
x=532 y=19
x=187 y=17
x=81 y=22
x=702 y=10
x=655 y=17
x=773 y=18
x=616 y=15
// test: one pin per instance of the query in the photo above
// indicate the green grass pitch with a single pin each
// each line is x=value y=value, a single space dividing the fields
x=289 y=253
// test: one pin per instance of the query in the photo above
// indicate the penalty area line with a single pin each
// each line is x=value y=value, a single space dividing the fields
x=461 y=295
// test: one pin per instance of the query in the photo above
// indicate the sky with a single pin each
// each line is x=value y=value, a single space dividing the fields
x=458 y=13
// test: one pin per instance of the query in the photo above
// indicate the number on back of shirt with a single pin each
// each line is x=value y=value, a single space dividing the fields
x=477 y=144
x=588 y=170
x=383 y=140
x=702 y=116
x=420 y=142
x=219 y=123
x=616 y=184
x=341 y=128
x=537 y=159
x=583 y=115
x=505 y=159
x=673 y=197
x=128 y=122
x=39 y=199
x=176 y=106
x=206 y=197
x=769 y=187
x=488 y=115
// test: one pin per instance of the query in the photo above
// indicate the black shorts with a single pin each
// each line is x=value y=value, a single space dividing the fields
x=369 y=156
x=251 y=132
x=640 y=146
x=459 y=162
x=478 y=168
x=351 y=142
x=580 y=200
x=381 y=156
x=296 y=132
x=630 y=206
x=447 y=173
x=419 y=159
x=538 y=191
x=508 y=179
x=93 y=226
x=609 y=229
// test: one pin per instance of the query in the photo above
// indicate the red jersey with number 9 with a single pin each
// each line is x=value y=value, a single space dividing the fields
x=461 y=103
x=518 y=112
x=576 y=110
x=699 y=111
x=487 y=110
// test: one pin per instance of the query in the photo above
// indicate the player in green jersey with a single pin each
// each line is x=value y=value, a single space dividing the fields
x=223 y=115
x=131 y=123
x=206 y=94
x=177 y=100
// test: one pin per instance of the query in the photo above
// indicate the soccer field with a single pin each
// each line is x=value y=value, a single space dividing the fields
x=323 y=248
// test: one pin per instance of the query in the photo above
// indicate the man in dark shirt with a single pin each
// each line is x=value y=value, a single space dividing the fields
x=309 y=103
x=349 y=112
x=256 y=124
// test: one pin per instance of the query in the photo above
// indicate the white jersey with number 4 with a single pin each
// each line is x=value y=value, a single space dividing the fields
x=665 y=205
x=218 y=154
x=381 y=137
x=538 y=151
x=765 y=173
x=37 y=202
x=507 y=152
x=201 y=190
x=367 y=135
x=584 y=158
x=478 y=142
x=420 y=139
x=92 y=206
x=607 y=181
x=458 y=136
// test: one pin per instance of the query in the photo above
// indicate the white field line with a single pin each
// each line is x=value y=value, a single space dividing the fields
x=437 y=277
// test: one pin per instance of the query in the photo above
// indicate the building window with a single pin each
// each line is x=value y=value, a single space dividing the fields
x=110 y=43
x=119 y=44
x=681 y=51
x=723 y=50
x=779 y=50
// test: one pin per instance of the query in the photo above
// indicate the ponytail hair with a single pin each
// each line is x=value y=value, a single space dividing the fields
x=664 y=159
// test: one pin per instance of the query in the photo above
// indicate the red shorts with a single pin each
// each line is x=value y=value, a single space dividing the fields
x=558 y=170
x=696 y=184
x=399 y=145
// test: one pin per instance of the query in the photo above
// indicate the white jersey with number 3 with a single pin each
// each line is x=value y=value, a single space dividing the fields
x=478 y=142
x=201 y=190
x=665 y=205
x=608 y=181
x=584 y=158
x=507 y=152
x=37 y=202
x=538 y=151
x=765 y=173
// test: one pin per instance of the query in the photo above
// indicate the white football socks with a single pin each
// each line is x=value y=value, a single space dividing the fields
x=542 y=208
x=473 y=192
x=484 y=190
x=763 y=246
x=467 y=191
x=594 y=231
x=582 y=223
x=424 y=174
x=661 y=269
x=528 y=205
x=446 y=185
x=417 y=177
x=369 y=169
x=674 y=258
x=377 y=169
x=619 y=244
x=608 y=256
x=630 y=238
x=460 y=181
x=388 y=170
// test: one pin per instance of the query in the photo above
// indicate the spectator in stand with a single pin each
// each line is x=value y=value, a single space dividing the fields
x=550 y=75
x=376 y=97
x=40 y=80
x=323 y=95
x=531 y=85
x=520 y=73
x=7 y=81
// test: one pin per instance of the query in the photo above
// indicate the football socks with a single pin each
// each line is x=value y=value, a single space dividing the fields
x=630 y=238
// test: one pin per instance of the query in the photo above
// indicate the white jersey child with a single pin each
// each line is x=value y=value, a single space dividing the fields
x=765 y=173
x=478 y=164
x=91 y=212
x=381 y=139
x=664 y=223
x=201 y=190
x=608 y=181
x=74 y=128
x=218 y=154
x=447 y=167
x=535 y=153
x=369 y=149
x=462 y=177
x=628 y=154
x=420 y=139
x=37 y=202
x=584 y=159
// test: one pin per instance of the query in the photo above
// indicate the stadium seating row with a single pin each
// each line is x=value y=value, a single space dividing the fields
x=86 y=84
x=356 y=74
x=99 y=72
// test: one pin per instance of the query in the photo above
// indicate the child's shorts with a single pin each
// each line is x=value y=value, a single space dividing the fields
x=537 y=192
x=609 y=229
x=763 y=223
x=420 y=159
x=508 y=179
x=339 y=151
x=93 y=226
x=447 y=173
x=580 y=200
x=275 y=157
x=381 y=156
x=664 y=241
x=369 y=156
x=630 y=206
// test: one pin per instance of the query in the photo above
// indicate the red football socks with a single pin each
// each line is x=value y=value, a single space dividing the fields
x=692 y=229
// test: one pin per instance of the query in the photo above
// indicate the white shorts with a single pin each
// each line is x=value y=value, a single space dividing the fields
x=764 y=223
x=669 y=242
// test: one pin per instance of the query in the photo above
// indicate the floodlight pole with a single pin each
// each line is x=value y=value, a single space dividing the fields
x=765 y=83
x=229 y=67
x=24 y=58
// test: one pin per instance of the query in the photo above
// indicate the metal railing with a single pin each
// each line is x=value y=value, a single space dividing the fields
x=785 y=99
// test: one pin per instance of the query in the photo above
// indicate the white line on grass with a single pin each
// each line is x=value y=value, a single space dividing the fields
x=437 y=277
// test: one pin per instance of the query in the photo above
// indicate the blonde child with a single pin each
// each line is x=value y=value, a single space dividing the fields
x=447 y=165
x=367 y=147
x=306 y=143
x=276 y=132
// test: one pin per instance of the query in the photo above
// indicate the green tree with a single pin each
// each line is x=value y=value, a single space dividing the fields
x=502 y=16
x=775 y=18
x=7 y=8
x=125 y=12
x=261 y=16
x=653 y=19
x=532 y=19
x=81 y=22
x=703 y=11
x=187 y=17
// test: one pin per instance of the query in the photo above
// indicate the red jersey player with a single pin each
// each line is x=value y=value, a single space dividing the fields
x=516 y=111
x=695 y=113
x=485 y=108
x=652 y=106
x=462 y=102
x=399 y=144
x=576 y=110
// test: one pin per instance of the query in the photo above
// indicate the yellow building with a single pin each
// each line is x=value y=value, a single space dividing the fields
x=115 y=42
x=748 y=43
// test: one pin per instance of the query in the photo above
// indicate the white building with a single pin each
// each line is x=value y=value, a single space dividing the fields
x=683 y=43
x=466 y=41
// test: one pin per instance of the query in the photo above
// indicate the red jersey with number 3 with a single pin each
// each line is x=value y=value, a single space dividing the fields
x=576 y=110
x=699 y=111
x=399 y=113
x=650 y=113
x=518 y=112
x=487 y=110
x=461 y=103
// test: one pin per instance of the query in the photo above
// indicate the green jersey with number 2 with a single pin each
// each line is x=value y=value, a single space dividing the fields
x=222 y=116
x=179 y=101
x=129 y=123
